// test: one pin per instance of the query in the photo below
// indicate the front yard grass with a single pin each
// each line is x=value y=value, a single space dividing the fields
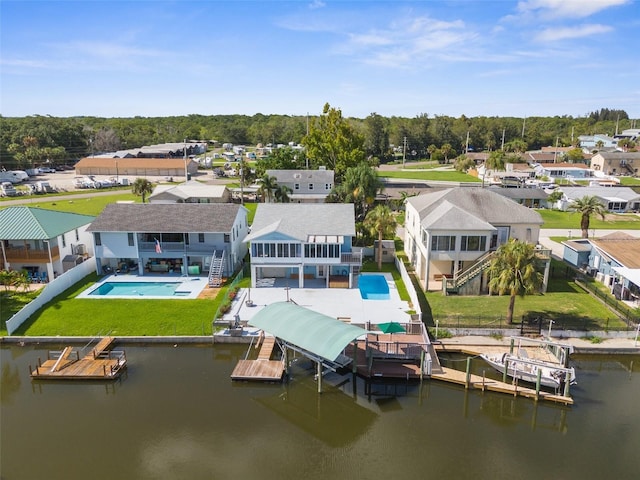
x=571 y=221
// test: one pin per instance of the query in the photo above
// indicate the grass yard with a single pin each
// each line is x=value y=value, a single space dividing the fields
x=69 y=316
x=571 y=221
x=86 y=206
x=436 y=175
x=565 y=303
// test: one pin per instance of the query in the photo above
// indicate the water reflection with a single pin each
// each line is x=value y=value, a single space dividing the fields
x=178 y=415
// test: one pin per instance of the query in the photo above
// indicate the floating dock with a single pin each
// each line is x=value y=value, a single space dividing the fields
x=101 y=363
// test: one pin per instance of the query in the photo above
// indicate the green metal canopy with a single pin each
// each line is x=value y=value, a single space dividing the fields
x=319 y=334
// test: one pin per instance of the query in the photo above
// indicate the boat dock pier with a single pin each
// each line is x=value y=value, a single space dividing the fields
x=101 y=363
x=261 y=368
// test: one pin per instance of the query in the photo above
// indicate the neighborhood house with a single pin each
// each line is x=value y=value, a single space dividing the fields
x=181 y=238
x=302 y=243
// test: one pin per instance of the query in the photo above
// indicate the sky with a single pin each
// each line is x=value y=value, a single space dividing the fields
x=394 y=58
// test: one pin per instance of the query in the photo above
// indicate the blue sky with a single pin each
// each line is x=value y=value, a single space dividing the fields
x=154 y=58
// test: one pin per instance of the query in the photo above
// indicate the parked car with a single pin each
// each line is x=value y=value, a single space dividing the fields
x=8 y=190
x=47 y=170
x=43 y=187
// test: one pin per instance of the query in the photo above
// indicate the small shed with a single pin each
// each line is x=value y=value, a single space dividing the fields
x=70 y=261
x=388 y=251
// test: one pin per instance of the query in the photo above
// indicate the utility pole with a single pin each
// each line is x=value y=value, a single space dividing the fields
x=466 y=148
x=186 y=172
x=524 y=122
x=404 y=151
x=502 y=147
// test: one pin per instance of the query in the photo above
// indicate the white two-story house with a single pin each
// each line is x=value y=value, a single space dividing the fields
x=307 y=186
x=296 y=243
x=180 y=238
x=450 y=231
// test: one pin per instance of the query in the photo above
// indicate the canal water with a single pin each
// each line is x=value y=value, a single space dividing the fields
x=177 y=415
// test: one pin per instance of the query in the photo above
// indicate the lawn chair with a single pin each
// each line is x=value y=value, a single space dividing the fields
x=43 y=277
x=107 y=270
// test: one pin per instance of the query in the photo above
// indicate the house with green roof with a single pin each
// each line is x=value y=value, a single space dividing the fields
x=45 y=243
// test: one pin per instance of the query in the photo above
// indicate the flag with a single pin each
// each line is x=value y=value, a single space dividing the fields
x=158 y=247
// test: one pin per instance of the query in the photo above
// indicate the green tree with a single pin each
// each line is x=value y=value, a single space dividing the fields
x=446 y=150
x=142 y=187
x=463 y=163
x=574 y=155
x=376 y=136
x=496 y=160
x=381 y=222
x=359 y=186
x=267 y=186
x=281 y=194
x=334 y=143
x=587 y=206
x=514 y=270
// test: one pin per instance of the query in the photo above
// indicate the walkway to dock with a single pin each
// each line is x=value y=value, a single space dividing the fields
x=100 y=363
x=262 y=368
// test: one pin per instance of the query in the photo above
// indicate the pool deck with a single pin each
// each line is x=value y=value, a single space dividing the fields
x=341 y=303
x=189 y=288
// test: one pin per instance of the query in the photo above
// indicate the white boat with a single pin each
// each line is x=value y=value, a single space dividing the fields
x=552 y=375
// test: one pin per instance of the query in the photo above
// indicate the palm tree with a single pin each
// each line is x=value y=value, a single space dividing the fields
x=267 y=186
x=587 y=206
x=514 y=270
x=446 y=150
x=381 y=221
x=142 y=187
x=281 y=194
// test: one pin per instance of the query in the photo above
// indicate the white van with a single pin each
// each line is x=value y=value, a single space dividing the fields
x=14 y=176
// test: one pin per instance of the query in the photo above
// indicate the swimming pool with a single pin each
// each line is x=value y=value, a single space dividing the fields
x=139 y=289
x=373 y=287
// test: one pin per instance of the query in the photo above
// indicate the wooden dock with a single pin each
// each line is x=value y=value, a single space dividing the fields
x=477 y=382
x=262 y=368
x=101 y=363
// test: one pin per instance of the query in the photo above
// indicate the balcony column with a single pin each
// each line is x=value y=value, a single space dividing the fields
x=301 y=276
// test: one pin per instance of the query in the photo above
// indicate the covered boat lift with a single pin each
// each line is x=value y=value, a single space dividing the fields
x=321 y=338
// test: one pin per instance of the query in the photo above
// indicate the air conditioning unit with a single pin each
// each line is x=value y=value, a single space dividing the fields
x=297 y=175
x=81 y=249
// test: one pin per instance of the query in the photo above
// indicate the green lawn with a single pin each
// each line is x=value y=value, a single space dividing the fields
x=85 y=206
x=436 y=175
x=565 y=303
x=629 y=181
x=571 y=221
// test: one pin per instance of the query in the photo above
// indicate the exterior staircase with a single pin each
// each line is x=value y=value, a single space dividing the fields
x=451 y=285
x=216 y=269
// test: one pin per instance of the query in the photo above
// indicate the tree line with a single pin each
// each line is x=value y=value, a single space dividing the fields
x=30 y=141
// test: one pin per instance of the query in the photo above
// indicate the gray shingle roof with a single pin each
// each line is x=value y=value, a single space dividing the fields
x=292 y=176
x=29 y=223
x=481 y=203
x=170 y=218
x=608 y=193
x=301 y=220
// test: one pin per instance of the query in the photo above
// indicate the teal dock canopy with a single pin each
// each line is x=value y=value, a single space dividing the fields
x=314 y=332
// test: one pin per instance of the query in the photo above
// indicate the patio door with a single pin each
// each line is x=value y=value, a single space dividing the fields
x=321 y=271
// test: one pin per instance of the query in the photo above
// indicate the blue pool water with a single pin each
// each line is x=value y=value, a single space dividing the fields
x=140 y=289
x=373 y=287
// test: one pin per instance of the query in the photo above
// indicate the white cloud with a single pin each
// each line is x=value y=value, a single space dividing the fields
x=555 y=34
x=554 y=9
x=317 y=4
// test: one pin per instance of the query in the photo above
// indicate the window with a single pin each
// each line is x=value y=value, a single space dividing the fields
x=327 y=186
x=311 y=186
x=201 y=237
x=77 y=236
x=296 y=186
x=227 y=238
x=97 y=239
x=443 y=242
x=64 y=240
x=130 y=239
x=473 y=243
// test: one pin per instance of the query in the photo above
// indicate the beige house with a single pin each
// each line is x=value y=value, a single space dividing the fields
x=190 y=192
x=616 y=163
x=136 y=167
